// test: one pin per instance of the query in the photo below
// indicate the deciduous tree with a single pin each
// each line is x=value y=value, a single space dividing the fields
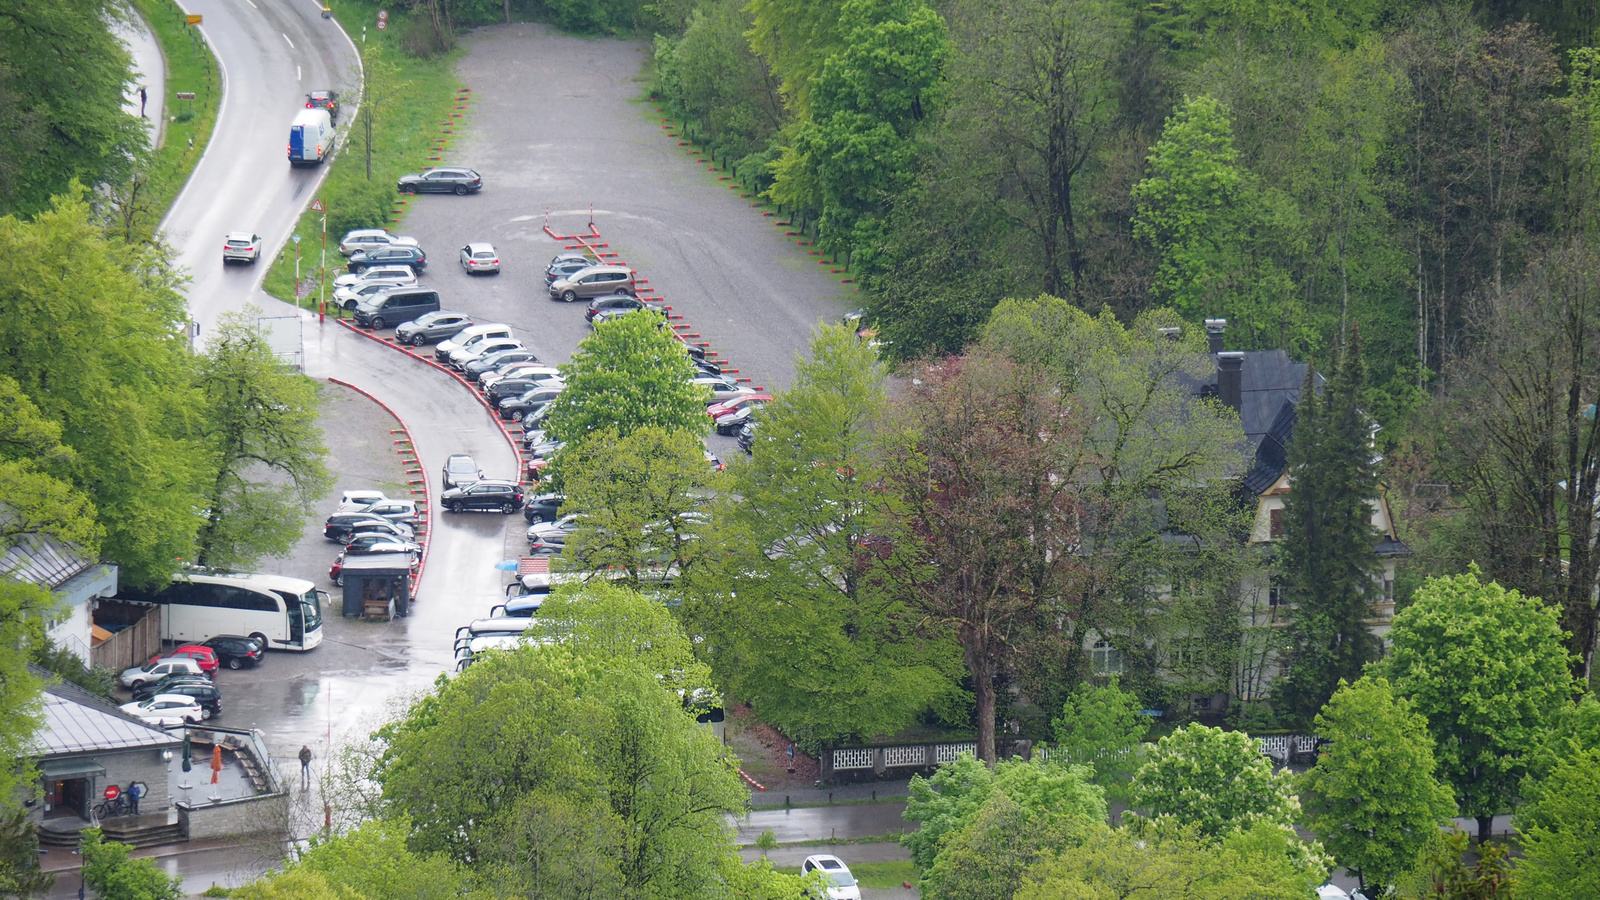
x=1560 y=831
x=630 y=373
x=258 y=424
x=1372 y=797
x=1102 y=726
x=1214 y=781
x=1486 y=667
x=111 y=874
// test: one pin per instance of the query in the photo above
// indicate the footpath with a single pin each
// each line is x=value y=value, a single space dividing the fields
x=149 y=73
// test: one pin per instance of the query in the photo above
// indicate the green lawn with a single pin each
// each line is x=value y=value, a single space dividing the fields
x=403 y=136
x=881 y=874
x=191 y=69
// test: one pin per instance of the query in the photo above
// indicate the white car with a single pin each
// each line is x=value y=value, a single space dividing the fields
x=358 y=495
x=536 y=371
x=397 y=274
x=351 y=295
x=166 y=710
x=402 y=511
x=159 y=669
x=371 y=239
x=841 y=885
x=443 y=349
x=480 y=258
x=242 y=246
x=480 y=349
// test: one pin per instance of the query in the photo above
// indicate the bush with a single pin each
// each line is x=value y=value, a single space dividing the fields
x=418 y=38
x=357 y=202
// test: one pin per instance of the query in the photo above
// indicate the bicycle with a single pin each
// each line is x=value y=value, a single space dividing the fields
x=121 y=806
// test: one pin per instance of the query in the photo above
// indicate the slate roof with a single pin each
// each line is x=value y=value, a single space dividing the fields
x=39 y=558
x=1270 y=394
x=76 y=721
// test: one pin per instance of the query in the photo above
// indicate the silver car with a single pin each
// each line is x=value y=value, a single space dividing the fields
x=400 y=274
x=351 y=295
x=242 y=246
x=371 y=239
x=430 y=327
x=480 y=258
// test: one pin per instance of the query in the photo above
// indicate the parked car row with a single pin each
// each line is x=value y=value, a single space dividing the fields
x=175 y=688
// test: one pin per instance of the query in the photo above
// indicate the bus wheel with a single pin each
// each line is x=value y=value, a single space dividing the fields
x=261 y=639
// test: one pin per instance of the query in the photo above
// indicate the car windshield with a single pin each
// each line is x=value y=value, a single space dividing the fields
x=484 y=254
x=838 y=875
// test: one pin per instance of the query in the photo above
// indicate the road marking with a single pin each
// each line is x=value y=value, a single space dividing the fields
x=286 y=38
x=252 y=5
x=297 y=75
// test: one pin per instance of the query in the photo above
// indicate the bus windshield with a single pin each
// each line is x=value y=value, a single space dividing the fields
x=311 y=608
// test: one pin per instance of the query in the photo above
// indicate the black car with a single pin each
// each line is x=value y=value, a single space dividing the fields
x=384 y=527
x=397 y=255
x=442 y=180
x=490 y=362
x=543 y=508
x=235 y=651
x=505 y=496
x=328 y=100
x=208 y=695
x=381 y=543
x=513 y=408
x=340 y=525
x=506 y=388
x=612 y=303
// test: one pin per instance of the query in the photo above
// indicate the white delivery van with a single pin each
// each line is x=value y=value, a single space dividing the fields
x=310 y=137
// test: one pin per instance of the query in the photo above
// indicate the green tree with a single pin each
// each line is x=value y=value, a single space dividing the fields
x=715 y=78
x=1176 y=863
x=630 y=373
x=20 y=875
x=258 y=423
x=990 y=854
x=63 y=85
x=1102 y=726
x=1372 y=797
x=1442 y=871
x=604 y=621
x=1211 y=225
x=95 y=337
x=1486 y=667
x=638 y=497
x=1560 y=831
x=1050 y=795
x=1214 y=781
x=792 y=623
x=795 y=38
x=109 y=872
x=374 y=861
x=1329 y=559
x=295 y=884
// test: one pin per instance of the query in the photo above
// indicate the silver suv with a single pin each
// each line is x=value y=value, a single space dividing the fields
x=430 y=327
x=592 y=282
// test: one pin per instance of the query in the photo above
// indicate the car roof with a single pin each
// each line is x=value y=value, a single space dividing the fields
x=241 y=236
x=364 y=232
x=599 y=267
x=480 y=247
x=180 y=698
x=827 y=861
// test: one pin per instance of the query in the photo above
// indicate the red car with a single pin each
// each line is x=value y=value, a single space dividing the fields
x=205 y=656
x=720 y=412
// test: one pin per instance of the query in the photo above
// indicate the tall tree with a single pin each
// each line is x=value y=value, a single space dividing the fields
x=1522 y=440
x=1486 y=667
x=258 y=422
x=1372 y=797
x=1329 y=560
x=630 y=373
x=1102 y=726
x=978 y=529
x=1560 y=831
x=111 y=874
x=791 y=621
x=61 y=90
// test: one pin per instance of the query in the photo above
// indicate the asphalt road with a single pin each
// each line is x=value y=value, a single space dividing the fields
x=271 y=52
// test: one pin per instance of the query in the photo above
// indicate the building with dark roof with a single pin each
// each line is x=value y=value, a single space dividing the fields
x=74 y=579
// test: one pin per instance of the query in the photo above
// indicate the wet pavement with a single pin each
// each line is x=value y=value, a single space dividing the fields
x=823 y=823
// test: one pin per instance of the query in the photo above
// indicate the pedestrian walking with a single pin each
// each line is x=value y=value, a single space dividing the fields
x=305 y=766
x=135 y=790
x=142 y=99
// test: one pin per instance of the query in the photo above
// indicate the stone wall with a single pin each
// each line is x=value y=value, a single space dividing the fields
x=265 y=814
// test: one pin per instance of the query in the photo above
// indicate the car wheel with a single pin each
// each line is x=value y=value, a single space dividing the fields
x=377 y=323
x=418 y=340
x=339 y=582
x=358 y=268
x=570 y=296
x=508 y=508
x=234 y=663
x=461 y=190
x=350 y=304
x=204 y=713
x=452 y=507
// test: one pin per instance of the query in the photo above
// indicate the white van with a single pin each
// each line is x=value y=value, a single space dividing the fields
x=310 y=137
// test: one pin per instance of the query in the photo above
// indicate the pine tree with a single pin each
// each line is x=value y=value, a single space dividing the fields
x=1328 y=559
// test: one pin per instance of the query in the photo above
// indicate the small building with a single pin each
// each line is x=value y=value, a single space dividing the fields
x=86 y=745
x=74 y=580
x=377 y=585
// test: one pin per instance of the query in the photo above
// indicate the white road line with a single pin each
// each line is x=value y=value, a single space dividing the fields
x=297 y=75
x=252 y=5
x=286 y=38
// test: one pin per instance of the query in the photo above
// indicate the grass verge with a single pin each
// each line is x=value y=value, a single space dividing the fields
x=191 y=68
x=417 y=96
x=884 y=874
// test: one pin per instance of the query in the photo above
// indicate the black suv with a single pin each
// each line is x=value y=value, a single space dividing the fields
x=397 y=255
x=328 y=100
x=443 y=180
x=235 y=651
x=340 y=526
x=506 y=496
x=611 y=304
x=208 y=695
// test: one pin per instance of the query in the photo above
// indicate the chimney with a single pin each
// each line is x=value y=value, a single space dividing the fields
x=1171 y=332
x=1214 y=330
x=1230 y=377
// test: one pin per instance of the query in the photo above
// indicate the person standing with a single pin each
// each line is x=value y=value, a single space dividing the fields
x=142 y=99
x=305 y=766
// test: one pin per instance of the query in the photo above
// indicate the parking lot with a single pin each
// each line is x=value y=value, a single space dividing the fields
x=554 y=124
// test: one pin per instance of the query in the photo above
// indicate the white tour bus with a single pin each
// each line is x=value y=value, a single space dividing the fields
x=284 y=613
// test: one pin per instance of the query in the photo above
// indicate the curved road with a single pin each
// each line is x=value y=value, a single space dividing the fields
x=272 y=52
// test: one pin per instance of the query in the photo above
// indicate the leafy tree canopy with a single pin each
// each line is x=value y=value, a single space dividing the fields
x=1102 y=726
x=1214 y=781
x=630 y=373
x=1560 y=831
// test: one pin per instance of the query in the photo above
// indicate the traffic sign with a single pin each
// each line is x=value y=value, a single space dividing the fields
x=382 y=24
x=194 y=19
x=316 y=205
x=113 y=792
x=383 y=15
